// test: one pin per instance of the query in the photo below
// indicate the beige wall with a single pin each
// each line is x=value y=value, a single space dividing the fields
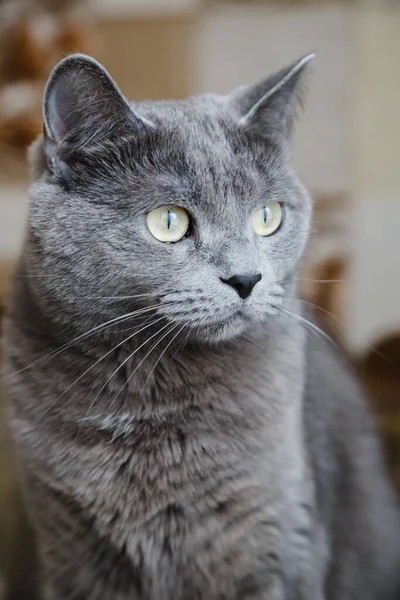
x=239 y=44
x=150 y=57
x=374 y=293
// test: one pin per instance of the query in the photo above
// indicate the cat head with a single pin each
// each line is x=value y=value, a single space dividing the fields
x=186 y=209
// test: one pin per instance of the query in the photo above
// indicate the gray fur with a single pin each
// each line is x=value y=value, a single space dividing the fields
x=224 y=451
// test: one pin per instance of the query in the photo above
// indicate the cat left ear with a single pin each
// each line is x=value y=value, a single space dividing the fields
x=269 y=107
x=83 y=107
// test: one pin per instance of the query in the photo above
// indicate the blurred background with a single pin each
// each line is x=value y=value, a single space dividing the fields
x=345 y=148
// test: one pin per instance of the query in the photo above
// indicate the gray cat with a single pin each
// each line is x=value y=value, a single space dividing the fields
x=181 y=433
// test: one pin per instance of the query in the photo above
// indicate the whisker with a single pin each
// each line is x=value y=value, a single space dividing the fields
x=81 y=337
x=251 y=341
x=311 y=325
x=143 y=322
x=96 y=363
x=162 y=354
x=117 y=369
x=140 y=364
x=324 y=310
x=323 y=280
x=341 y=323
x=371 y=278
x=182 y=344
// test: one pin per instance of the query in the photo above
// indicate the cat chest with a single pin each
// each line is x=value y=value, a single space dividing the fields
x=236 y=533
x=204 y=511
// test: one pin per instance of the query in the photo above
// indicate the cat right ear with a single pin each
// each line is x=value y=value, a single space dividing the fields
x=269 y=107
x=82 y=108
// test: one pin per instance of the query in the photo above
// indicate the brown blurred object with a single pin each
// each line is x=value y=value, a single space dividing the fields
x=384 y=359
x=150 y=57
x=327 y=295
x=34 y=35
x=22 y=58
x=6 y=269
x=20 y=131
x=74 y=37
x=379 y=370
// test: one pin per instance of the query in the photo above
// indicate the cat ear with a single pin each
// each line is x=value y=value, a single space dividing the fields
x=83 y=107
x=269 y=107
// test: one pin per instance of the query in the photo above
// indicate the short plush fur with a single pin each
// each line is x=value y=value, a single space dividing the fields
x=177 y=441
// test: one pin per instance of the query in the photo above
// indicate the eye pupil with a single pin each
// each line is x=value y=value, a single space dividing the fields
x=168 y=223
x=267 y=219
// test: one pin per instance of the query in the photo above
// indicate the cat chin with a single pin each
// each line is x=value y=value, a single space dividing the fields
x=222 y=332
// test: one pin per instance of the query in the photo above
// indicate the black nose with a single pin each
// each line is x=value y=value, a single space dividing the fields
x=243 y=284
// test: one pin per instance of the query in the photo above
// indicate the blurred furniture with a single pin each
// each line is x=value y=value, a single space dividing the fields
x=34 y=35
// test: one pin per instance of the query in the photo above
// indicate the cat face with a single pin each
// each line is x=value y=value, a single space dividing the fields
x=186 y=209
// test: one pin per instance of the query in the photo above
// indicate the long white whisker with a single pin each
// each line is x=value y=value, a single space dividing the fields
x=81 y=337
x=97 y=362
x=118 y=368
x=322 y=280
x=140 y=364
x=340 y=323
x=181 y=345
x=312 y=327
x=248 y=339
x=326 y=312
x=162 y=354
x=134 y=327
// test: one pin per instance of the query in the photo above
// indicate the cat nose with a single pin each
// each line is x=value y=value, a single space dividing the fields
x=243 y=284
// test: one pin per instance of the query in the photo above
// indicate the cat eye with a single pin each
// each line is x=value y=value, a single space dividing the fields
x=266 y=220
x=168 y=223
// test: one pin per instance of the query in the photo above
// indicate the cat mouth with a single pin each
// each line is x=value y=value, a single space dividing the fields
x=221 y=323
x=224 y=329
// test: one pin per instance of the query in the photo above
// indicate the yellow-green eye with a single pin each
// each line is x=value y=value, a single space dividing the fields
x=168 y=223
x=267 y=219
